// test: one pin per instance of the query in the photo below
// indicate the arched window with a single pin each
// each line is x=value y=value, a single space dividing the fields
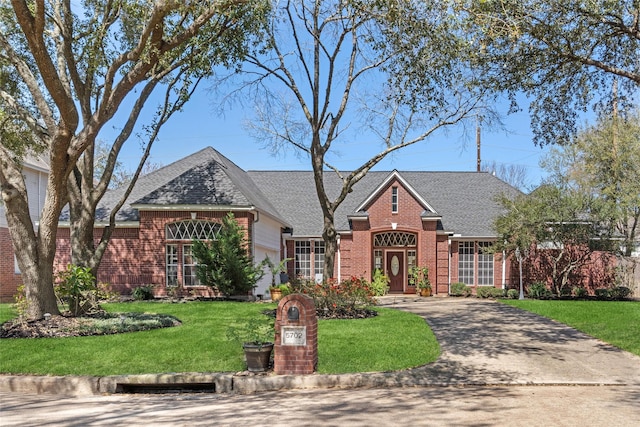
x=394 y=238
x=181 y=255
x=192 y=229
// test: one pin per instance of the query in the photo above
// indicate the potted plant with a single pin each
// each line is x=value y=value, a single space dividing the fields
x=419 y=277
x=256 y=336
x=277 y=291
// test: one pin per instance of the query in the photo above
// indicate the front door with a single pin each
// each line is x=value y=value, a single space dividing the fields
x=395 y=271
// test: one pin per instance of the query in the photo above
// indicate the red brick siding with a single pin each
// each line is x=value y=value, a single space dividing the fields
x=359 y=248
x=597 y=272
x=9 y=281
x=441 y=284
x=136 y=256
x=409 y=210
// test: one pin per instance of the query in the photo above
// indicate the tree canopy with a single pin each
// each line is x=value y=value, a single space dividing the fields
x=565 y=55
x=66 y=68
x=604 y=161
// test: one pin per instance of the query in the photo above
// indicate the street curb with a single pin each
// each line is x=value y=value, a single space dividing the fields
x=219 y=383
x=244 y=384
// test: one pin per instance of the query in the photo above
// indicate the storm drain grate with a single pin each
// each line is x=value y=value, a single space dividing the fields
x=166 y=388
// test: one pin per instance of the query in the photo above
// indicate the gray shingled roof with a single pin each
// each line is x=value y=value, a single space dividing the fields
x=202 y=179
x=465 y=200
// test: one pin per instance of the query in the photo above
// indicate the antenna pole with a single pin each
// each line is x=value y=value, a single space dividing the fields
x=478 y=141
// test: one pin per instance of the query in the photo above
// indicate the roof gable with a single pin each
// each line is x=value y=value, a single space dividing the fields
x=464 y=202
x=205 y=178
x=395 y=175
x=204 y=184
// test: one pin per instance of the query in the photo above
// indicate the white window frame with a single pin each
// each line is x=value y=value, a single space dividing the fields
x=377 y=260
x=302 y=250
x=189 y=266
x=171 y=264
x=318 y=256
x=394 y=199
x=485 y=265
x=466 y=263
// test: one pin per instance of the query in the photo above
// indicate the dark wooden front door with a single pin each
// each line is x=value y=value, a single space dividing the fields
x=395 y=271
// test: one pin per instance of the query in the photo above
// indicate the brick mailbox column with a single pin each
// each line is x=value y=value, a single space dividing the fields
x=296 y=340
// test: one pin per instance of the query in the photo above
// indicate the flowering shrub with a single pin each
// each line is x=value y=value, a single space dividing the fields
x=331 y=297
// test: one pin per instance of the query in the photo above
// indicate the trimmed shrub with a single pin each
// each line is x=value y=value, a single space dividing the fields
x=619 y=293
x=459 y=289
x=580 y=292
x=285 y=289
x=538 y=290
x=602 y=293
x=143 y=293
x=513 y=294
x=489 y=292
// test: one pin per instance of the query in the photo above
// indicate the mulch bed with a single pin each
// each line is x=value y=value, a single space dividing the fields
x=68 y=326
x=356 y=313
x=56 y=326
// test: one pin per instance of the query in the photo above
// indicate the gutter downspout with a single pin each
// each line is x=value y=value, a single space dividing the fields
x=339 y=263
x=449 y=266
x=256 y=219
x=504 y=270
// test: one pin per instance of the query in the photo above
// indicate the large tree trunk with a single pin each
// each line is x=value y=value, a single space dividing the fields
x=81 y=235
x=35 y=259
x=330 y=246
x=34 y=250
x=81 y=217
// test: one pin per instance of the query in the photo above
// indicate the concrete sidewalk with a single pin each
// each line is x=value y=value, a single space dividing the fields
x=482 y=343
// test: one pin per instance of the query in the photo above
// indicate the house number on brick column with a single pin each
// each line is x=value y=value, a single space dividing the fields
x=294 y=335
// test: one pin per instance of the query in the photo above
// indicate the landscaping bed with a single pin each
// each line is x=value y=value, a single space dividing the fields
x=100 y=323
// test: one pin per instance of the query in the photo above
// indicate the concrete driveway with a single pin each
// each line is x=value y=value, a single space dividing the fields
x=485 y=342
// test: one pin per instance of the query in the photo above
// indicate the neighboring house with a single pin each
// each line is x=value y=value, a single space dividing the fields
x=36 y=171
x=390 y=221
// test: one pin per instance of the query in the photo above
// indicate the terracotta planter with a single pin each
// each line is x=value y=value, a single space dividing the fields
x=276 y=294
x=258 y=357
x=425 y=292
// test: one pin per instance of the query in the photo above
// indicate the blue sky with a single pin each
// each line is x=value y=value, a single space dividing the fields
x=199 y=126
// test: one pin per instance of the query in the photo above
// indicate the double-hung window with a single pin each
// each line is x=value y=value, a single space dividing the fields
x=318 y=256
x=475 y=261
x=466 y=257
x=309 y=258
x=303 y=258
x=485 y=264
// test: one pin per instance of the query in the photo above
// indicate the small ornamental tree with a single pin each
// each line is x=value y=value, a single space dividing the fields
x=224 y=262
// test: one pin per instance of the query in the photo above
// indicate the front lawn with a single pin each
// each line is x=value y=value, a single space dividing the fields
x=615 y=322
x=392 y=340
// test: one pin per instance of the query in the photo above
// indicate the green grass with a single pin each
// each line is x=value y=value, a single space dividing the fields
x=390 y=341
x=200 y=345
x=615 y=322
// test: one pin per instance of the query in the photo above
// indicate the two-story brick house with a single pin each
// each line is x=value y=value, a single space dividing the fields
x=390 y=221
